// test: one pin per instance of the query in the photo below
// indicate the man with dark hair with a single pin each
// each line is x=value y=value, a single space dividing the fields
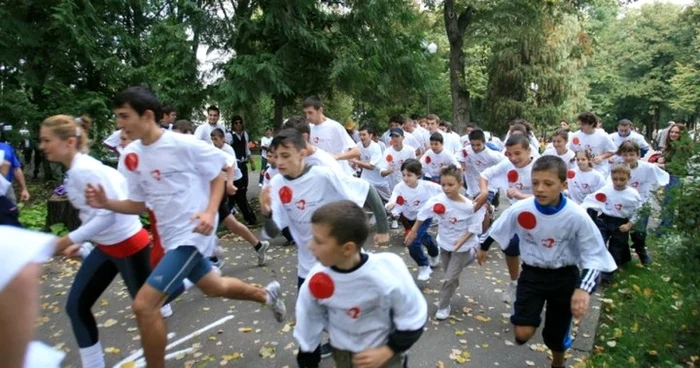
x=239 y=142
x=597 y=141
x=169 y=117
x=203 y=132
x=397 y=122
x=625 y=131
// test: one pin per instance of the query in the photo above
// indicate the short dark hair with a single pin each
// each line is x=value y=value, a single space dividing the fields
x=370 y=130
x=453 y=171
x=184 y=126
x=298 y=123
x=477 y=135
x=628 y=146
x=236 y=118
x=397 y=119
x=415 y=117
x=347 y=222
x=551 y=163
x=621 y=168
x=413 y=166
x=140 y=99
x=518 y=139
x=167 y=110
x=471 y=125
x=518 y=128
x=625 y=122
x=437 y=137
x=433 y=117
x=218 y=132
x=213 y=108
x=313 y=101
x=561 y=132
x=288 y=137
x=587 y=118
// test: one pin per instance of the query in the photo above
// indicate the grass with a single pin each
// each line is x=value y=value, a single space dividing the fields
x=650 y=317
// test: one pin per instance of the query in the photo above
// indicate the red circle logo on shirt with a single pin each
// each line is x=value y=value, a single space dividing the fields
x=131 y=161
x=464 y=153
x=571 y=174
x=285 y=194
x=389 y=158
x=439 y=208
x=428 y=159
x=601 y=197
x=512 y=176
x=527 y=220
x=400 y=201
x=321 y=286
x=576 y=140
x=267 y=175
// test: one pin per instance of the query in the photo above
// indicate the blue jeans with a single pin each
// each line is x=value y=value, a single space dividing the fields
x=423 y=238
x=667 y=218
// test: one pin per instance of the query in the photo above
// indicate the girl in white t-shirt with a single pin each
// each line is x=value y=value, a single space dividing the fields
x=559 y=140
x=122 y=243
x=583 y=180
x=459 y=227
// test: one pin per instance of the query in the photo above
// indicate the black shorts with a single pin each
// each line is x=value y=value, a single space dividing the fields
x=224 y=209
x=555 y=287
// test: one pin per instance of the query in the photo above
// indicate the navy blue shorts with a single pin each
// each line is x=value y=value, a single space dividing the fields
x=183 y=262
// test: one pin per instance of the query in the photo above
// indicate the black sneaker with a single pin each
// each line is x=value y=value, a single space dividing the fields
x=326 y=350
x=645 y=258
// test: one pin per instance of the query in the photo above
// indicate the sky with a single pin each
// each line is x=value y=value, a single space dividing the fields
x=680 y=2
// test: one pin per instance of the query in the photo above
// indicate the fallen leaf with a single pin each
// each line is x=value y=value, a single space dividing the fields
x=110 y=322
x=112 y=350
x=530 y=363
x=245 y=329
x=267 y=352
x=648 y=292
x=652 y=353
x=482 y=318
x=233 y=356
x=611 y=344
x=286 y=327
x=459 y=332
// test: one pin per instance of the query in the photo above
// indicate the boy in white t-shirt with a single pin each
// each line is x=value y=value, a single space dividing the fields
x=645 y=178
x=513 y=174
x=559 y=140
x=181 y=179
x=436 y=158
x=370 y=158
x=264 y=148
x=597 y=141
x=313 y=154
x=618 y=205
x=476 y=158
x=406 y=200
x=271 y=172
x=371 y=328
x=459 y=227
x=394 y=157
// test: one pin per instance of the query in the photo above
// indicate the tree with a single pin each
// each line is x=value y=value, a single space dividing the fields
x=457 y=20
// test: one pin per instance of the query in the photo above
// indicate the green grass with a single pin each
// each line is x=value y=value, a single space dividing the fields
x=649 y=317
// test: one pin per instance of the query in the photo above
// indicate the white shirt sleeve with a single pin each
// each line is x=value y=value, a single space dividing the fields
x=93 y=226
x=426 y=210
x=408 y=306
x=209 y=160
x=503 y=228
x=350 y=188
x=594 y=255
x=247 y=144
x=199 y=132
x=311 y=320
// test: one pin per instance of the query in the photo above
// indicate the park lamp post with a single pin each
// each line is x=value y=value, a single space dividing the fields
x=431 y=49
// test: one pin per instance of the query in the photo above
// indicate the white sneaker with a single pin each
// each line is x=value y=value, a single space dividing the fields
x=424 y=273
x=85 y=249
x=275 y=301
x=442 y=314
x=394 y=224
x=166 y=311
x=509 y=294
x=262 y=252
x=435 y=261
x=259 y=185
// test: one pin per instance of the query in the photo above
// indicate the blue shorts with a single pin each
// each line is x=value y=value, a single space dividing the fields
x=491 y=197
x=183 y=262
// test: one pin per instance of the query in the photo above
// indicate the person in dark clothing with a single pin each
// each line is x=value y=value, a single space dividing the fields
x=239 y=143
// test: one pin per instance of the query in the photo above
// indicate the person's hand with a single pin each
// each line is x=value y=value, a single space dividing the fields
x=597 y=160
x=372 y=358
x=265 y=201
x=72 y=250
x=381 y=239
x=513 y=193
x=230 y=188
x=579 y=303
x=626 y=227
x=410 y=237
x=481 y=256
x=205 y=225
x=390 y=169
x=390 y=206
x=96 y=197
x=661 y=160
x=480 y=200
x=24 y=196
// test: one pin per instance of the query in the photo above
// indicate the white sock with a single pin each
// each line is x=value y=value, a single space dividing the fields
x=92 y=356
x=514 y=282
x=188 y=284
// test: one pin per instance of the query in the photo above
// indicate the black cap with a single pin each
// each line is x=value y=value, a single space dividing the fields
x=395 y=131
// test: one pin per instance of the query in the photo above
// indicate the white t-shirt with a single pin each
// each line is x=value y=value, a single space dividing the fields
x=615 y=203
x=422 y=137
x=450 y=142
x=434 y=162
x=394 y=159
x=101 y=226
x=534 y=152
x=203 y=131
x=294 y=201
x=231 y=160
x=323 y=158
x=21 y=247
x=4 y=184
x=505 y=175
x=372 y=154
x=270 y=173
x=647 y=177
x=356 y=321
x=475 y=164
x=546 y=243
x=633 y=136
x=599 y=143
x=265 y=142
x=569 y=156
x=113 y=140
x=381 y=145
x=583 y=183
x=174 y=175
x=410 y=200
x=331 y=137
x=410 y=140
x=454 y=220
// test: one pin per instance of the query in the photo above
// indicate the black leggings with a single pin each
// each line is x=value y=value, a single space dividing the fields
x=94 y=276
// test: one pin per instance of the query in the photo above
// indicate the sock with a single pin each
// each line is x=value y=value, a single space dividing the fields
x=258 y=246
x=92 y=356
x=187 y=283
x=514 y=282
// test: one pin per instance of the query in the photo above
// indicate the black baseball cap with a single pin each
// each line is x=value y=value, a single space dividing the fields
x=395 y=131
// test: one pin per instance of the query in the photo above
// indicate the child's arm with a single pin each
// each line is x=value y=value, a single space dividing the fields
x=411 y=236
x=206 y=217
x=374 y=202
x=310 y=321
x=230 y=188
x=462 y=240
x=96 y=197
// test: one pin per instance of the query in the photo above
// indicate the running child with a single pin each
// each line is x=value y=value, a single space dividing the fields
x=373 y=328
x=583 y=180
x=270 y=172
x=313 y=155
x=436 y=158
x=559 y=140
x=370 y=157
x=551 y=256
x=597 y=141
x=458 y=232
x=514 y=174
x=645 y=178
x=406 y=200
x=394 y=157
x=618 y=205
x=180 y=177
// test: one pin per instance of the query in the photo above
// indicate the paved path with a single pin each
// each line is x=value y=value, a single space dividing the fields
x=478 y=330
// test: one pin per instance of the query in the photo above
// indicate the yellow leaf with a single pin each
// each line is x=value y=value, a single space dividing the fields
x=635 y=327
x=245 y=329
x=110 y=322
x=130 y=364
x=104 y=303
x=648 y=292
x=440 y=364
x=636 y=288
x=233 y=356
x=482 y=318
x=286 y=328
x=112 y=350
x=631 y=360
x=459 y=332
x=212 y=338
x=652 y=353
x=617 y=333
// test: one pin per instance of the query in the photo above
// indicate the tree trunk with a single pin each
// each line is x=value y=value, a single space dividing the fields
x=60 y=211
x=279 y=112
x=456 y=26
